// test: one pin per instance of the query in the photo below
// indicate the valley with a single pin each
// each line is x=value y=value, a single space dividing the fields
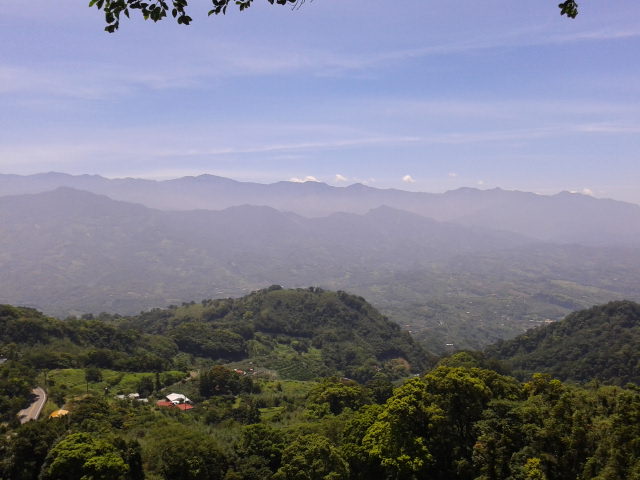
x=71 y=252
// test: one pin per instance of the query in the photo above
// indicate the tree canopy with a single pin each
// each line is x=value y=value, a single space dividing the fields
x=157 y=10
x=451 y=423
x=599 y=343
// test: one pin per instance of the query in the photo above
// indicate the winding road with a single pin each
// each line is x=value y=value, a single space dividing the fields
x=32 y=412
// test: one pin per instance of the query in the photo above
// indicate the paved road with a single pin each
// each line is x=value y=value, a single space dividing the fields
x=32 y=412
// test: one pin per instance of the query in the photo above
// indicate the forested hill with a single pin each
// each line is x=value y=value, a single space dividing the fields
x=301 y=334
x=601 y=343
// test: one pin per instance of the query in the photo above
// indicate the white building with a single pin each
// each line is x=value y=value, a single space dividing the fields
x=177 y=398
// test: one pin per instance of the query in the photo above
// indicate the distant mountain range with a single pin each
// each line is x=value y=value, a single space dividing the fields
x=68 y=251
x=89 y=250
x=562 y=218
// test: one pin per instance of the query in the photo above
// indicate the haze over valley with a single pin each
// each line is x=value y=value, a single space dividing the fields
x=487 y=264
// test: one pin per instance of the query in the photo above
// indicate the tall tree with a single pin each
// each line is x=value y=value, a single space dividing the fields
x=312 y=457
x=84 y=456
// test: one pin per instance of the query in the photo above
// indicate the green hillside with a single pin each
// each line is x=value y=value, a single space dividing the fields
x=300 y=334
x=600 y=343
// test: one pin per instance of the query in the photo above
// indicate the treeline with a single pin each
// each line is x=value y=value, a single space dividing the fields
x=46 y=343
x=453 y=423
x=16 y=383
x=601 y=343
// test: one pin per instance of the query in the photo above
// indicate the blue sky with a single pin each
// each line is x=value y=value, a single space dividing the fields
x=426 y=95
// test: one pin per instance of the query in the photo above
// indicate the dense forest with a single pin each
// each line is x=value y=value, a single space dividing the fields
x=600 y=343
x=454 y=422
x=306 y=384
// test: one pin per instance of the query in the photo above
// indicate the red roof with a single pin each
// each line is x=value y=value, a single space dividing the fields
x=180 y=406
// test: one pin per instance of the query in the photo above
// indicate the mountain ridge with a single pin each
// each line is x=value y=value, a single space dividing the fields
x=561 y=218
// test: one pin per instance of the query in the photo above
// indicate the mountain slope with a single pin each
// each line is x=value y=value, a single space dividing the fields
x=600 y=343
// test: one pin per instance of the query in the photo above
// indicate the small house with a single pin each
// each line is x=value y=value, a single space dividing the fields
x=177 y=398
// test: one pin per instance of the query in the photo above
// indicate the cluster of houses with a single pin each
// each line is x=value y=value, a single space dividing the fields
x=173 y=400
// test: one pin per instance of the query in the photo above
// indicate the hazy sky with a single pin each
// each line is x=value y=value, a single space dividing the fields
x=427 y=95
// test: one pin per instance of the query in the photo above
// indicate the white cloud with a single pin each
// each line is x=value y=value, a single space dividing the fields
x=85 y=150
x=90 y=82
x=340 y=178
x=308 y=178
x=584 y=191
x=608 y=128
x=453 y=174
x=408 y=179
x=506 y=109
x=480 y=182
x=311 y=145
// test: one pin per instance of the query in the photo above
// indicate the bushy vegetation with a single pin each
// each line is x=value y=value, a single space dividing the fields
x=16 y=383
x=297 y=334
x=601 y=343
x=452 y=423
x=45 y=343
